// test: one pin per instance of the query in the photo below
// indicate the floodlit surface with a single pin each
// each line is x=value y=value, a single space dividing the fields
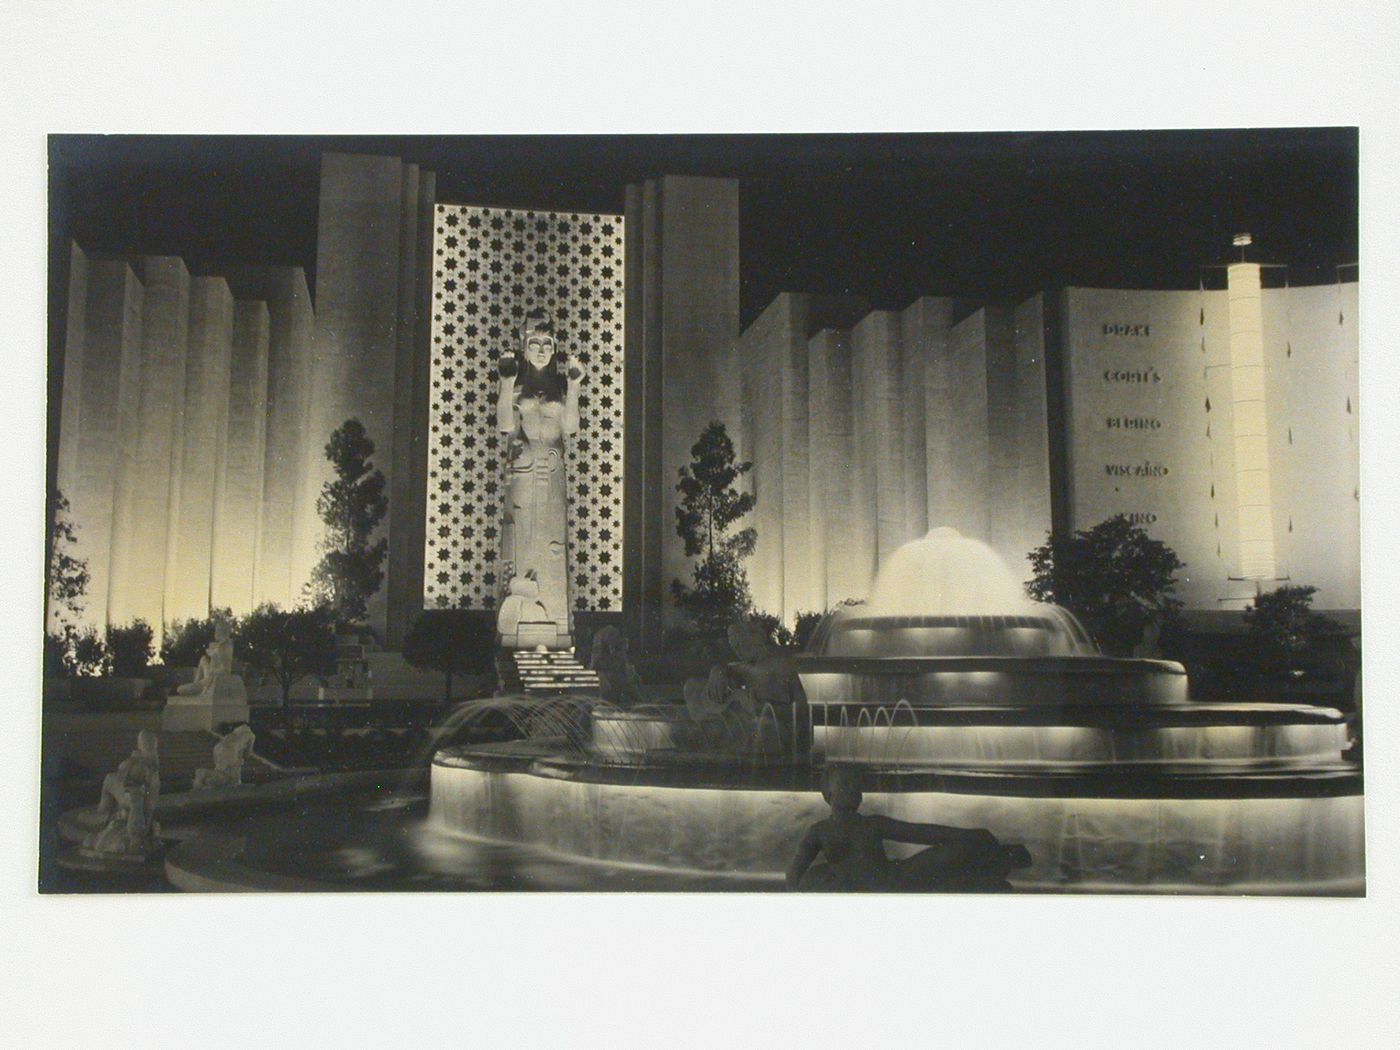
x=1247 y=845
x=945 y=573
x=964 y=704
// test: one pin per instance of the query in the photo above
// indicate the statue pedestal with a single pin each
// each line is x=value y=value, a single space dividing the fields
x=225 y=700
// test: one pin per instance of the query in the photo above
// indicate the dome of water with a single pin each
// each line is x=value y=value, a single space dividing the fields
x=947 y=574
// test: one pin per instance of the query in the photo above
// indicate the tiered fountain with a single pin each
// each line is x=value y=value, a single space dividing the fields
x=964 y=703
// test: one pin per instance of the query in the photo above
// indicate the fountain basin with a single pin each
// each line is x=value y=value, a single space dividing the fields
x=907 y=736
x=1094 y=827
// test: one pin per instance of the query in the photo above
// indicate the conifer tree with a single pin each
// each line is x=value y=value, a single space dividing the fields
x=351 y=507
x=710 y=505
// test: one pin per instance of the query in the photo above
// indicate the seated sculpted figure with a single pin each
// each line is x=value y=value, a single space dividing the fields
x=215 y=672
x=229 y=754
x=769 y=676
x=762 y=666
x=618 y=682
x=846 y=851
x=128 y=802
x=721 y=714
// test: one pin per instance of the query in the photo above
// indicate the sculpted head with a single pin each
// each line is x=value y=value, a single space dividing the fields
x=609 y=642
x=537 y=340
x=540 y=368
x=841 y=788
x=146 y=743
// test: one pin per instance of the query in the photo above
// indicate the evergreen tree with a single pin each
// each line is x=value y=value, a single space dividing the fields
x=1114 y=577
x=67 y=650
x=710 y=504
x=351 y=506
x=68 y=575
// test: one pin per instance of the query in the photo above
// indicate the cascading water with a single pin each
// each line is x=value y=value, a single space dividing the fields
x=966 y=704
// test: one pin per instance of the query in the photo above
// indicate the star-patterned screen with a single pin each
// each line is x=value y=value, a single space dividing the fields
x=491 y=266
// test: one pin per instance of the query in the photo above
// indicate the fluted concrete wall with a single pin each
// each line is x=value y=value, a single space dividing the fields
x=70 y=414
x=290 y=329
x=911 y=424
x=100 y=410
x=408 y=480
x=683 y=370
x=878 y=419
x=799 y=589
x=774 y=354
x=239 y=516
x=1030 y=509
x=163 y=442
x=141 y=544
x=366 y=207
x=842 y=549
x=763 y=352
x=966 y=439
x=1003 y=476
x=925 y=324
x=197 y=491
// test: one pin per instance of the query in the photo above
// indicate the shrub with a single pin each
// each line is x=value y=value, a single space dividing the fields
x=805 y=624
x=776 y=631
x=1114 y=577
x=56 y=659
x=288 y=645
x=88 y=653
x=453 y=641
x=130 y=647
x=1284 y=627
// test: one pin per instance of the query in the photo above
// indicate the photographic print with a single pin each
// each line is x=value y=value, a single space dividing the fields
x=892 y=513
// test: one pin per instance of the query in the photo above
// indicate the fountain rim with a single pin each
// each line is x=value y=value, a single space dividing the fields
x=1069 y=780
x=1101 y=715
x=1021 y=666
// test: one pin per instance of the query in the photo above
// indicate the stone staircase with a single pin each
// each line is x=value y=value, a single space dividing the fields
x=549 y=673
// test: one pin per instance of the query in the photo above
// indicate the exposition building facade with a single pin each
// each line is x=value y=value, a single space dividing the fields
x=194 y=419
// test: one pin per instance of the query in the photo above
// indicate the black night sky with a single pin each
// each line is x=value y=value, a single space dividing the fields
x=890 y=217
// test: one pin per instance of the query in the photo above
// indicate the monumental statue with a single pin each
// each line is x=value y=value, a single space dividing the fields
x=536 y=409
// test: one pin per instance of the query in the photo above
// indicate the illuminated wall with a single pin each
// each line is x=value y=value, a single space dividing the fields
x=878 y=420
x=490 y=266
x=838 y=564
x=201 y=456
x=103 y=343
x=909 y=423
x=290 y=326
x=142 y=544
x=683 y=370
x=1151 y=432
x=237 y=526
x=163 y=452
x=367 y=350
